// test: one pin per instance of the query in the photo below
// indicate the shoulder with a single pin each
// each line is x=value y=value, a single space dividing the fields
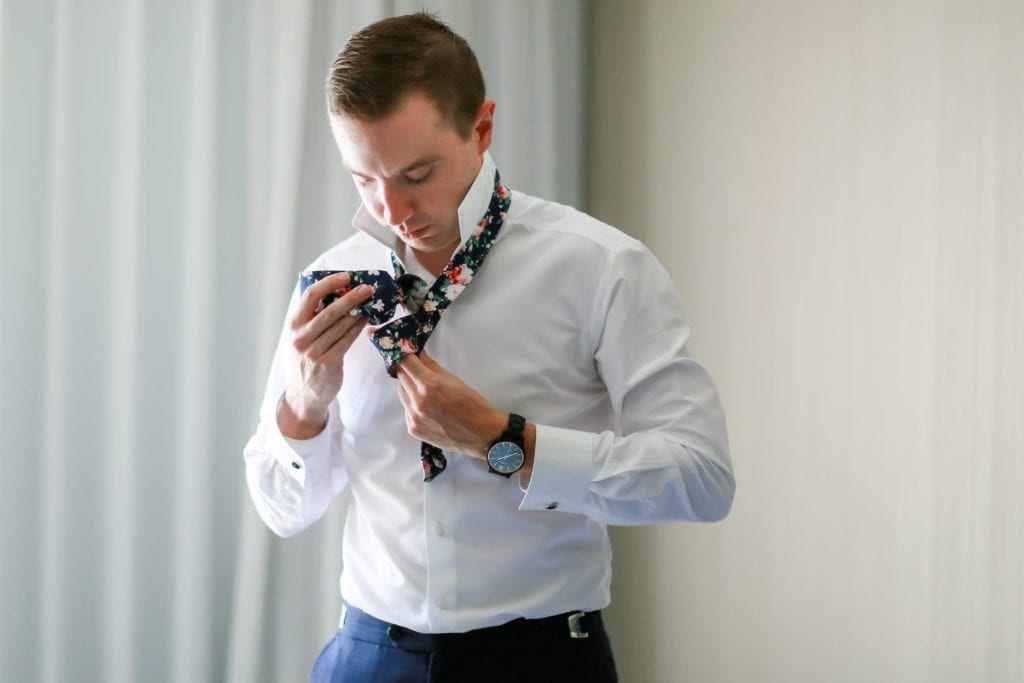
x=573 y=242
x=564 y=247
x=360 y=251
x=557 y=223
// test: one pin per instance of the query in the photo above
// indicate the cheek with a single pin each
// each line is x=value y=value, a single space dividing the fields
x=369 y=199
x=367 y=193
x=441 y=200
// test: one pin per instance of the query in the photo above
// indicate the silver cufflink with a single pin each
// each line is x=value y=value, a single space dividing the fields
x=574 y=626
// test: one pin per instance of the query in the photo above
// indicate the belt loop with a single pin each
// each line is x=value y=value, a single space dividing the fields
x=575 y=631
x=344 y=613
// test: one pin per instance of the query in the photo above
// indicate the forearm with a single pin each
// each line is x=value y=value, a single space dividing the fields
x=644 y=478
x=668 y=461
x=290 y=465
x=691 y=484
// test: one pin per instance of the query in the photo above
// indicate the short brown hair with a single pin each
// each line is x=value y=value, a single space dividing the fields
x=387 y=60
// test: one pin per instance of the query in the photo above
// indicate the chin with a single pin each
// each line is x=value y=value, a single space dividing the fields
x=432 y=241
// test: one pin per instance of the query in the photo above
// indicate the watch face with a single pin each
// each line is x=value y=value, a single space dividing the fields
x=505 y=457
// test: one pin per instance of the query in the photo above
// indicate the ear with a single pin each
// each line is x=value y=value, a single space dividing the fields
x=483 y=129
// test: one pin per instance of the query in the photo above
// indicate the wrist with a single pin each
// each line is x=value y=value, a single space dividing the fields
x=512 y=451
x=297 y=420
x=529 y=447
x=493 y=426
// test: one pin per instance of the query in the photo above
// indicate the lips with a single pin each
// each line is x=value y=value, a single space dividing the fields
x=415 y=233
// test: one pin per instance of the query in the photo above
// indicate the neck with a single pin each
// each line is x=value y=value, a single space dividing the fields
x=436 y=261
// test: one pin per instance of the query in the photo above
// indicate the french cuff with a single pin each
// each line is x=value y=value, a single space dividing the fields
x=562 y=470
x=301 y=459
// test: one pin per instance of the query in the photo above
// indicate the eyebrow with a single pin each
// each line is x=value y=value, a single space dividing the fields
x=402 y=171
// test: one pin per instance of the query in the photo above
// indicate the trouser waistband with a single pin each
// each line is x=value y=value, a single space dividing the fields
x=570 y=625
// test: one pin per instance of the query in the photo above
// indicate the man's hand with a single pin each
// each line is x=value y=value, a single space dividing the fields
x=320 y=337
x=444 y=411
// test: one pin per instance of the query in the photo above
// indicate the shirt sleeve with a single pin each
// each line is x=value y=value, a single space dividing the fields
x=292 y=481
x=667 y=456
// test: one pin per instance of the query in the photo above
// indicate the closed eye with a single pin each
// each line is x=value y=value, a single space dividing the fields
x=419 y=180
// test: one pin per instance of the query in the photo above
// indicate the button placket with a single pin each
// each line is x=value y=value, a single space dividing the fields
x=438 y=502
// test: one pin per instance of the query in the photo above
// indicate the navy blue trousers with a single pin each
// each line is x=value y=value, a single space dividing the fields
x=368 y=650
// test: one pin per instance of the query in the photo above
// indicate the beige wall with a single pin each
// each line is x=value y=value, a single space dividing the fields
x=838 y=191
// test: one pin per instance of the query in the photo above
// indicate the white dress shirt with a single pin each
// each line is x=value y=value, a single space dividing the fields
x=570 y=323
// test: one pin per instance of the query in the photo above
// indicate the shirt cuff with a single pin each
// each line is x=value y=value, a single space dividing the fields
x=300 y=458
x=562 y=464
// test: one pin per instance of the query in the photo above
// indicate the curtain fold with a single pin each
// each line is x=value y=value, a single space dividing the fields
x=54 y=440
x=193 y=538
x=119 y=585
x=165 y=170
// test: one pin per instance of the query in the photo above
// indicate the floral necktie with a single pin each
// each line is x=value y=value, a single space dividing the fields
x=409 y=333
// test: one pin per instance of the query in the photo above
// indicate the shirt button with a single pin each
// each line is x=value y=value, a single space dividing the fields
x=443 y=603
x=552 y=505
x=439 y=529
x=296 y=465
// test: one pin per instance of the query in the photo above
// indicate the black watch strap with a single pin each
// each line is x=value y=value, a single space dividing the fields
x=515 y=430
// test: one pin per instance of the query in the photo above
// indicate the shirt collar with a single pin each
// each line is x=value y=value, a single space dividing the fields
x=472 y=208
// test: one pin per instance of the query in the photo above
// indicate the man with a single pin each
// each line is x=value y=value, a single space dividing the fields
x=543 y=382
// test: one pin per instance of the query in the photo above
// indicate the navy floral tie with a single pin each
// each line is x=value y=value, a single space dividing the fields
x=409 y=334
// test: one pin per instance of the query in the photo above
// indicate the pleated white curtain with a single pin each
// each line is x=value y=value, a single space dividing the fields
x=166 y=169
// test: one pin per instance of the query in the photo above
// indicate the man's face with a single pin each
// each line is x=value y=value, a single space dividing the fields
x=413 y=170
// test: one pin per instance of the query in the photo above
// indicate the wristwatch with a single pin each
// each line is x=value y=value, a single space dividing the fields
x=507 y=455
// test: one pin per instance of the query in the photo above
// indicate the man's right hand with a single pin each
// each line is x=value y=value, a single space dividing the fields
x=319 y=337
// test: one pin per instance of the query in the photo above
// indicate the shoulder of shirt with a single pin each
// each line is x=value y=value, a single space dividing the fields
x=356 y=252
x=562 y=221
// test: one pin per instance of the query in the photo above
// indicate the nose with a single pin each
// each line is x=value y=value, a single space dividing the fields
x=395 y=205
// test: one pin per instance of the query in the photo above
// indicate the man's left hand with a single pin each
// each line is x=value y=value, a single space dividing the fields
x=444 y=411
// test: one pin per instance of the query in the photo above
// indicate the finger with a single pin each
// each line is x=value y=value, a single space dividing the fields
x=403 y=396
x=405 y=378
x=337 y=312
x=316 y=341
x=346 y=303
x=416 y=421
x=315 y=293
x=428 y=361
x=411 y=410
x=414 y=375
x=345 y=341
x=412 y=367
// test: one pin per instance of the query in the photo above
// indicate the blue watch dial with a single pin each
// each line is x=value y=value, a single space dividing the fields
x=505 y=457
